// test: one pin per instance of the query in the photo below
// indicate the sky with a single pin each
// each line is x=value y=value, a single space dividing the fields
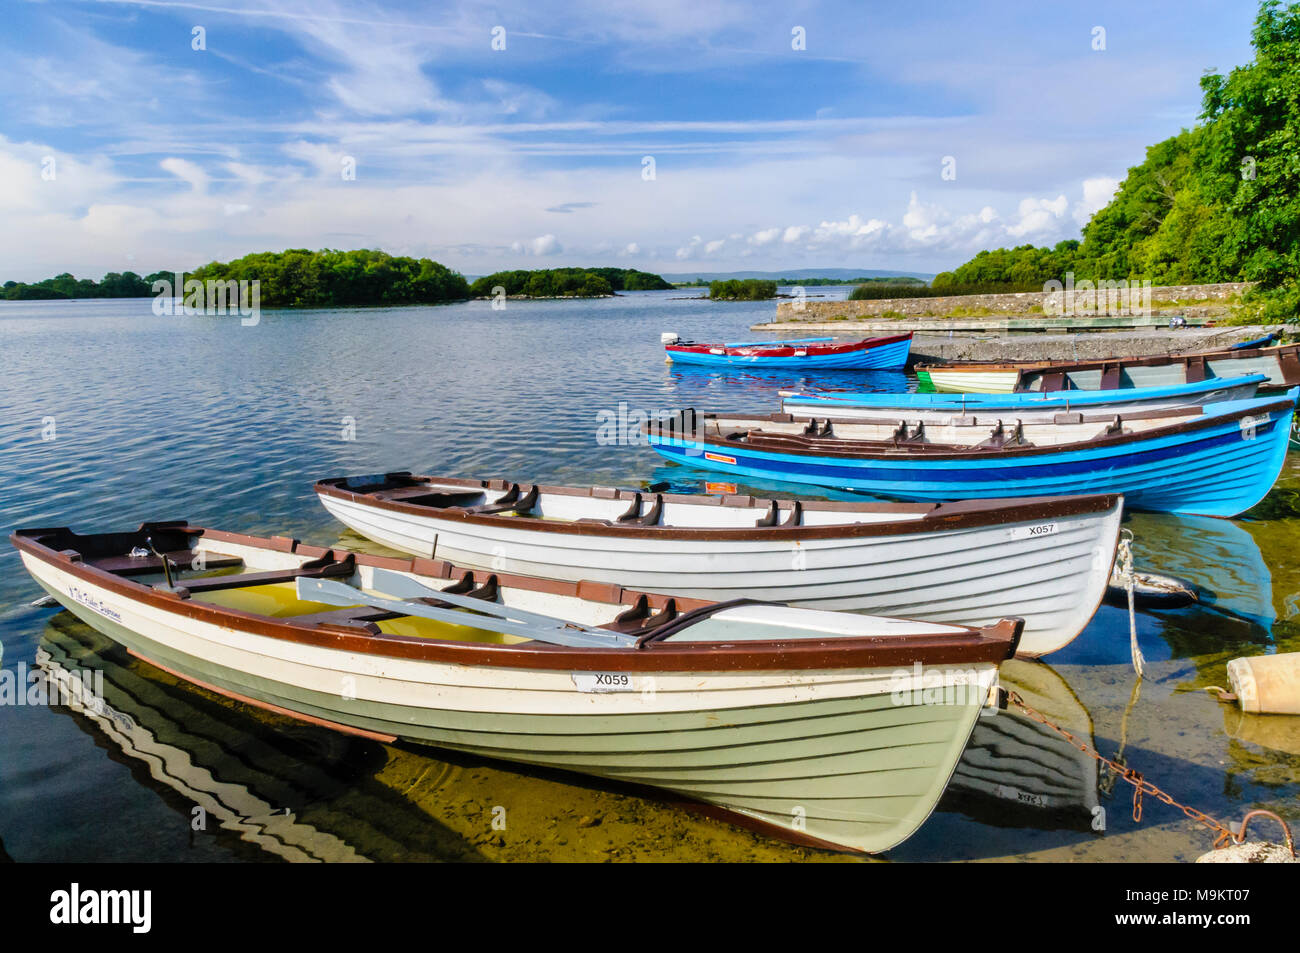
x=669 y=135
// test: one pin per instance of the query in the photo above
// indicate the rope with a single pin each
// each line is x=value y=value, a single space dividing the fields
x=1125 y=557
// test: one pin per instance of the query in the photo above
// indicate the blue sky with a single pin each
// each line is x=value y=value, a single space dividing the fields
x=123 y=147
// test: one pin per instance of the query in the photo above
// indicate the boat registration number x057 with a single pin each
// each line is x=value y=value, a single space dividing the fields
x=1031 y=532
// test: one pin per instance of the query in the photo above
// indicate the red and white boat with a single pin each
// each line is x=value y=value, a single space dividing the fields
x=886 y=353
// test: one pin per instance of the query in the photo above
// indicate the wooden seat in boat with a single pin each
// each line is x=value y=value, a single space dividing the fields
x=327 y=567
x=427 y=496
x=180 y=559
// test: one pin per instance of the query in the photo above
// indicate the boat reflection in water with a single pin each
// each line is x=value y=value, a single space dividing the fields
x=1017 y=772
x=270 y=786
x=1223 y=559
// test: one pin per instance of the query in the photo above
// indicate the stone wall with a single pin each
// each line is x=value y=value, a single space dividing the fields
x=1079 y=300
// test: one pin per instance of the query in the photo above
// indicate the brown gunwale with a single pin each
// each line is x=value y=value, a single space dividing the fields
x=936 y=517
x=969 y=645
x=1151 y=360
x=885 y=450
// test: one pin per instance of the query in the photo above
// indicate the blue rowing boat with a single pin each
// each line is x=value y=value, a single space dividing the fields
x=821 y=353
x=1123 y=401
x=1214 y=460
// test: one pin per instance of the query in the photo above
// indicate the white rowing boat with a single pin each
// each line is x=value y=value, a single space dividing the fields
x=1046 y=560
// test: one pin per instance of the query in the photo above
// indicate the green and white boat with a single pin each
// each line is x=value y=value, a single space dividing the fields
x=831 y=729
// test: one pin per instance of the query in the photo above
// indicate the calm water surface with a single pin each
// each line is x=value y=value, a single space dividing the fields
x=202 y=418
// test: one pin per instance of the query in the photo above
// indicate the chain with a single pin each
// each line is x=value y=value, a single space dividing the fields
x=1141 y=786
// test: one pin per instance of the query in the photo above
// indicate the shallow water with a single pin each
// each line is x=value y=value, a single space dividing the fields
x=202 y=418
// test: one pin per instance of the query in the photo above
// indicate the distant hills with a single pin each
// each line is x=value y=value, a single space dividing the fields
x=844 y=273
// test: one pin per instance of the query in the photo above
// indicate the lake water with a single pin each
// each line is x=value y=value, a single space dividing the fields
x=110 y=415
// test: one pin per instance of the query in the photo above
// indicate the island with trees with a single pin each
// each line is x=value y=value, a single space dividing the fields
x=742 y=289
x=567 y=283
x=296 y=278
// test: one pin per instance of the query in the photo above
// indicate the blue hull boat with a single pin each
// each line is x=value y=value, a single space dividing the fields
x=1215 y=460
x=821 y=353
x=1123 y=401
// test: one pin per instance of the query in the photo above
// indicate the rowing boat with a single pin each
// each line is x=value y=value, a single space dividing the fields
x=1280 y=364
x=881 y=353
x=1213 y=460
x=969 y=563
x=1036 y=405
x=831 y=729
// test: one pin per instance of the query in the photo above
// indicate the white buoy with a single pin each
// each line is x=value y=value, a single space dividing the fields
x=1267 y=684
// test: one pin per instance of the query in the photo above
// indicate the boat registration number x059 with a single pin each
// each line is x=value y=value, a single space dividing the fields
x=604 y=683
x=1030 y=532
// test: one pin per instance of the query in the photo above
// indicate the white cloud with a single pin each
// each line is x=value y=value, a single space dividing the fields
x=186 y=171
x=1097 y=193
x=541 y=245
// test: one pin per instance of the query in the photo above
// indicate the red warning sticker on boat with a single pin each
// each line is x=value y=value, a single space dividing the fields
x=719 y=458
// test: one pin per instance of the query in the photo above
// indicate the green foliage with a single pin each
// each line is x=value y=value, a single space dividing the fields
x=299 y=278
x=742 y=289
x=1023 y=268
x=935 y=289
x=568 y=282
x=1220 y=202
x=114 y=285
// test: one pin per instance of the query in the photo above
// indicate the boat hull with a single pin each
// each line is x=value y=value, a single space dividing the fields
x=1025 y=407
x=847 y=758
x=969 y=575
x=1221 y=467
x=1280 y=365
